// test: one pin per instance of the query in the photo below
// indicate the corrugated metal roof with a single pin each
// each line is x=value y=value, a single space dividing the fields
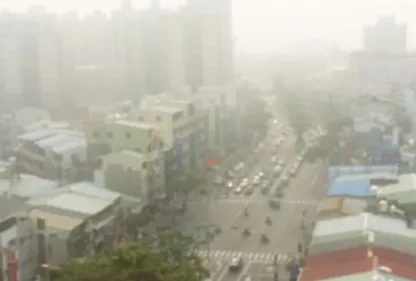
x=28 y=186
x=54 y=141
x=56 y=221
x=80 y=197
x=75 y=143
x=351 y=226
x=358 y=187
x=36 y=135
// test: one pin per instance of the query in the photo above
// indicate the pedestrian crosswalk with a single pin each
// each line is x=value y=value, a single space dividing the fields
x=251 y=256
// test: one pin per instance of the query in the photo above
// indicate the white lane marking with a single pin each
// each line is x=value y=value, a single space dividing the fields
x=244 y=272
x=256 y=257
x=250 y=255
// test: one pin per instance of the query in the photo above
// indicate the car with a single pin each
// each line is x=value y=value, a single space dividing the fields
x=265 y=188
x=230 y=184
x=239 y=166
x=249 y=190
x=244 y=182
x=246 y=278
x=285 y=180
x=235 y=264
x=278 y=192
x=293 y=171
x=230 y=174
x=274 y=160
x=281 y=162
x=238 y=190
x=260 y=175
x=299 y=158
x=256 y=180
x=274 y=204
x=277 y=170
x=218 y=180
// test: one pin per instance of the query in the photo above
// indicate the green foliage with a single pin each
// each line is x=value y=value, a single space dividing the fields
x=256 y=117
x=168 y=257
x=297 y=114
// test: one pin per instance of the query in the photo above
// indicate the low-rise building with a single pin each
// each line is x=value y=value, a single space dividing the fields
x=361 y=230
x=18 y=242
x=182 y=125
x=131 y=173
x=362 y=263
x=124 y=140
x=339 y=206
x=53 y=153
x=403 y=192
x=77 y=220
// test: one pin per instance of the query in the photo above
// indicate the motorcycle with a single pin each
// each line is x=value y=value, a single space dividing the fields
x=268 y=221
x=246 y=232
x=264 y=239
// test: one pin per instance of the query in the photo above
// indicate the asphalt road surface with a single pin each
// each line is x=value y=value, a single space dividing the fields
x=225 y=210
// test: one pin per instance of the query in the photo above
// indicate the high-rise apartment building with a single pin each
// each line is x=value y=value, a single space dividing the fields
x=386 y=36
x=209 y=42
x=30 y=55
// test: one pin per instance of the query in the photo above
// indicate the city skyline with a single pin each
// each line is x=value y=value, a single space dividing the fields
x=265 y=26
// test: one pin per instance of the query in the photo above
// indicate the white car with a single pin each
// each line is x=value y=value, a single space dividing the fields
x=238 y=190
x=230 y=184
x=244 y=183
x=256 y=180
x=235 y=264
x=260 y=175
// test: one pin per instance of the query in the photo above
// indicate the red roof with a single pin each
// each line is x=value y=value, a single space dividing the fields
x=352 y=267
x=357 y=254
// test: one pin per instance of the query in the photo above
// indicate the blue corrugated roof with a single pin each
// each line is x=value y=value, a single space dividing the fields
x=354 y=187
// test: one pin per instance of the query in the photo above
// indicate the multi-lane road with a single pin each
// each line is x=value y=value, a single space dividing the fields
x=226 y=211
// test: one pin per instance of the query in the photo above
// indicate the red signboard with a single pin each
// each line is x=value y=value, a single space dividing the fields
x=12 y=264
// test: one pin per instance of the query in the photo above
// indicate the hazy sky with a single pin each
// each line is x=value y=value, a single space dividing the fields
x=267 y=25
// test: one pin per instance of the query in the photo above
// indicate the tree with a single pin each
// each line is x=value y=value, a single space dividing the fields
x=297 y=114
x=181 y=187
x=167 y=257
x=255 y=118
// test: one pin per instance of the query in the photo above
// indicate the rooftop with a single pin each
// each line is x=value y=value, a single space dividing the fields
x=343 y=205
x=362 y=224
x=36 y=135
x=168 y=109
x=72 y=144
x=82 y=197
x=356 y=187
x=138 y=125
x=27 y=186
x=55 y=141
x=406 y=184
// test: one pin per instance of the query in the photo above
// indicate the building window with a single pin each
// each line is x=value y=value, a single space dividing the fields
x=95 y=135
x=127 y=135
x=177 y=115
x=158 y=119
x=110 y=135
